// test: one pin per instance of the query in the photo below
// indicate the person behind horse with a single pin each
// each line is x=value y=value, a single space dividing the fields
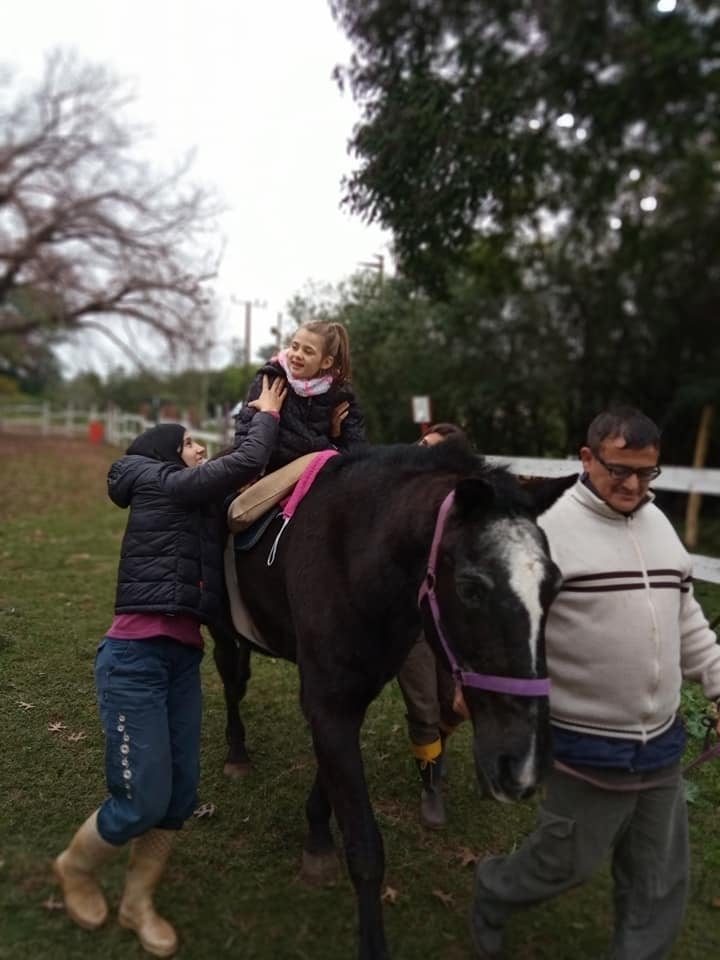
x=621 y=635
x=428 y=690
x=321 y=411
x=147 y=667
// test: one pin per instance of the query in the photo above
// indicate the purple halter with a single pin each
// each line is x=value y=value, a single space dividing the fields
x=517 y=686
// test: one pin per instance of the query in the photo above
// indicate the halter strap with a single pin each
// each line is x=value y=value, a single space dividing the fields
x=517 y=686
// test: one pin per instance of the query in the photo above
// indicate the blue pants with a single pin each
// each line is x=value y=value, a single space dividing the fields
x=150 y=705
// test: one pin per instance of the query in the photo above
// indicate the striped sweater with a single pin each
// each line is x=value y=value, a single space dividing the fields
x=625 y=627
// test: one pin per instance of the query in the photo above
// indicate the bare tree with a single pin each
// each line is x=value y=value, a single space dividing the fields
x=90 y=237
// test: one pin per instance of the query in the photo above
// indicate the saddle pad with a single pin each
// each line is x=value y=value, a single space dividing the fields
x=242 y=621
x=246 y=539
x=265 y=493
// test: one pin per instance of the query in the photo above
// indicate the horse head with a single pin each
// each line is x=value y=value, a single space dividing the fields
x=489 y=584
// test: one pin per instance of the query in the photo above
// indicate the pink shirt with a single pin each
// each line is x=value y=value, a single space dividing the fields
x=141 y=626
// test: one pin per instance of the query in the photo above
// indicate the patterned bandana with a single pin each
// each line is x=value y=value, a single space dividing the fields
x=308 y=387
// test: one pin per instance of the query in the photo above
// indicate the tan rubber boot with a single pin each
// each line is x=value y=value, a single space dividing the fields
x=148 y=858
x=75 y=870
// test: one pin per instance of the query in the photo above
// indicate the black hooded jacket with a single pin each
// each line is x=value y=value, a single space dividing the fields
x=304 y=421
x=171 y=556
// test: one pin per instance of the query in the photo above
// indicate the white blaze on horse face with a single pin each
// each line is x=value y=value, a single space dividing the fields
x=527 y=774
x=520 y=550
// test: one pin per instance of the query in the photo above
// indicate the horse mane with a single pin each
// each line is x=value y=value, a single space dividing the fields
x=456 y=460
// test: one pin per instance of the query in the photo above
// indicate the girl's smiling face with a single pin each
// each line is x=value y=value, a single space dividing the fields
x=305 y=355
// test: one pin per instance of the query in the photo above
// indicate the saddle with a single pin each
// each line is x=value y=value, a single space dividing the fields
x=255 y=500
x=250 y=514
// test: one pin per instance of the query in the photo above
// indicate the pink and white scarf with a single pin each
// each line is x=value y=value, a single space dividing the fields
x=308 y=387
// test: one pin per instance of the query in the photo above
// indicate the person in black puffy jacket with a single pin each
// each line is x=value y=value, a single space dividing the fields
x=147 y=668
x=320 y=411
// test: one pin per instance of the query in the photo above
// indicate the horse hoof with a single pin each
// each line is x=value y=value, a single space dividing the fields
x=236 y=771
x=320 y=869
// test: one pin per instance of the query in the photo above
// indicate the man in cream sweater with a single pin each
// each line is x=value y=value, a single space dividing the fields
x=621 y=635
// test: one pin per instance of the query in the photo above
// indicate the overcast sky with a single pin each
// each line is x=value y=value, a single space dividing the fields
x=248 y=84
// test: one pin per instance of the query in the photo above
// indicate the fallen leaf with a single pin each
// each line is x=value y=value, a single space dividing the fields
x=26 y=706
x=52 y=903
x=446 y=898
x=467 y=857
x=716 y=902
x=204 y=810
x=389 y=895
x=74 y=737
x=55 y=726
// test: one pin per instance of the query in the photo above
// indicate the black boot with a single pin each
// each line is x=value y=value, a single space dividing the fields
x=432 y=807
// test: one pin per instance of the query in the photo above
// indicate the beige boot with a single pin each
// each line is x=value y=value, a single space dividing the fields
x=148 y=857
x=75 y=870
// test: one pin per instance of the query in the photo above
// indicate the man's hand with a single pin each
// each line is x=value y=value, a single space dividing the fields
x=338 y=415
x=272 y=395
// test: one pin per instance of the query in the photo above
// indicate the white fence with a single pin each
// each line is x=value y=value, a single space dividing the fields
x=119 y=428
x=675 y=479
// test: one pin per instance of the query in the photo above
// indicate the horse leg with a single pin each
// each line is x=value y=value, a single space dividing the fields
x=232 y=659
x=337 y=747
x=320 y=864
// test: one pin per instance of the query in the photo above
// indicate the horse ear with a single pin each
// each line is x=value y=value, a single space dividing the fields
x=545 y=491
x=474 y=492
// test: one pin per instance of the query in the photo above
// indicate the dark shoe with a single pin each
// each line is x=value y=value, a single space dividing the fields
x=432 y=808
x=487 y=939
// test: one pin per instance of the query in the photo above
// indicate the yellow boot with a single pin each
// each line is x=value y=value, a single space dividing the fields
x=148 y=857
x=75 y=870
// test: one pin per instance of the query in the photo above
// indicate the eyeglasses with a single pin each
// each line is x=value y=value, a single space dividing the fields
x=620 y=472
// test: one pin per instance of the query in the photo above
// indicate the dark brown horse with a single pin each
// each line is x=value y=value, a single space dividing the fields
x=341 y=599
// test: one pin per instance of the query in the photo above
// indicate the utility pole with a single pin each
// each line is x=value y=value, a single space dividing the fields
x=377 y=263
x=248 y=304
x=248 y=325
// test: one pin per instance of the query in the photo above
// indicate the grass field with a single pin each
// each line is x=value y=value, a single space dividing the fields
x=232 y=887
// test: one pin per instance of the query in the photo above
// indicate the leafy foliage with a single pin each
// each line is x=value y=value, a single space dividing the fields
x=563 y=158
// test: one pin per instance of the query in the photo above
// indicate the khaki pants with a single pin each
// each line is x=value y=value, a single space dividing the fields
x=428 y=689
x=644 y=832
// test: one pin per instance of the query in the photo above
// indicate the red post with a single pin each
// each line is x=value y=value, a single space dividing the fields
x=96 y=431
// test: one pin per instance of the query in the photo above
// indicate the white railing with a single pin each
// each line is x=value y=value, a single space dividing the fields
x=675 y=479
x=119 y=428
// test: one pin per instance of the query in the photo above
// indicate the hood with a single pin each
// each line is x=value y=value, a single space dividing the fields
x=123 y=475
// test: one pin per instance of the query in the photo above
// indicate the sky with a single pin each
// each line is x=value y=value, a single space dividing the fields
x=247 y=85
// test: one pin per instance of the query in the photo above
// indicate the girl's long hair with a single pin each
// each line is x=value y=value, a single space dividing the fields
x=336 y=343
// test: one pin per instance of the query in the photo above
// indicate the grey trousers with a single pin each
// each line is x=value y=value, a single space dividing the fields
x=645 y=833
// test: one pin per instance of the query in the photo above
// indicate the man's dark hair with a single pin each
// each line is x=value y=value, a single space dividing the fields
x=447 y=430
x=631 y=424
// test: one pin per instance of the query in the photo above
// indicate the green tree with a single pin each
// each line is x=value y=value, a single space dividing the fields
x=582 y=138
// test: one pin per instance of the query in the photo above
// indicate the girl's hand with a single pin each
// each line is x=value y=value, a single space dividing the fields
x=336 y=418
x=272 y=395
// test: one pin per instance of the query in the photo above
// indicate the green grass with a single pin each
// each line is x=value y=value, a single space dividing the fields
x=232 y=887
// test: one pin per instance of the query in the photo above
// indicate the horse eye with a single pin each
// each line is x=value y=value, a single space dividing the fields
x=473 y=591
